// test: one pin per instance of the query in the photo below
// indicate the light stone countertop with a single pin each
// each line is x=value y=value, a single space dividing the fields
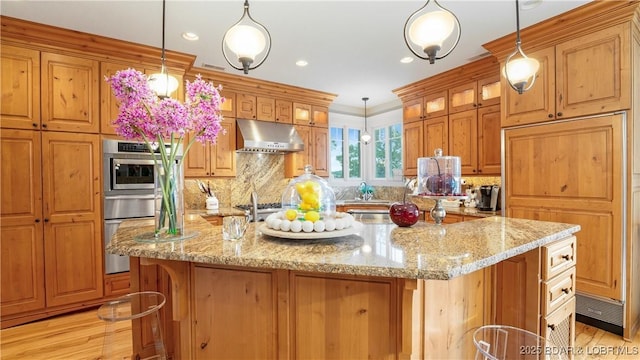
x=423 y=251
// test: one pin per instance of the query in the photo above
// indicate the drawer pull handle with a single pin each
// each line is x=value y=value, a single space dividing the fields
x=567 y=257
x=566 y=290
x=552 y=327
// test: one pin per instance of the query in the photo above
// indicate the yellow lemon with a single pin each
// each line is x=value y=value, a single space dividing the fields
x=304 y=206
x=312 y=216
x=310 y=198
x=291 y=214
x=311 y=186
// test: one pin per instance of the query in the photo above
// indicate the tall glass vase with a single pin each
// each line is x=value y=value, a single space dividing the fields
x=169 y=201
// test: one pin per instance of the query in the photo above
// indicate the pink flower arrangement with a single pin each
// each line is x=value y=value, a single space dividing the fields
x=143 y=116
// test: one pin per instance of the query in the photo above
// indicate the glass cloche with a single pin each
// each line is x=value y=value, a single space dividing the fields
x=439 y=175
x=309 y=193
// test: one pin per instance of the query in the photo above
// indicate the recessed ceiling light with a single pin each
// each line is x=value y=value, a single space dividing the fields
x=406 y=59
x=302 y=63
x=190 y=36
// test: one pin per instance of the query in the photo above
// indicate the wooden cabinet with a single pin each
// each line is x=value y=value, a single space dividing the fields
x=265 y=108
x=51 y=220
x=70 y=93
x=245 y=106
x=463 y=139
x=545 y=179
x=284 y=111
x=436 y=135
x=311 y=115
x=474 y=135
x=21 y=228
x=428 y=106
x=582 y=76
x=228 y=106
x=214 y=219
x=20 y=87
x=413 y=146
x=270 y=109
x=316 y=140
x=359 y=311
x=248 y=300
x=217 y=159
x=484 y=92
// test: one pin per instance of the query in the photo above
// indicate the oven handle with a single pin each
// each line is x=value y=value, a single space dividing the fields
x=129 y=197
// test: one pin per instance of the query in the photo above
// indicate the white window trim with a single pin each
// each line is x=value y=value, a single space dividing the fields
x=345 y=122
x=375 y=122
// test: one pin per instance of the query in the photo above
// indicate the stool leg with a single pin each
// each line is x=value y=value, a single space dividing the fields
x=156 y=330
x=108 y=339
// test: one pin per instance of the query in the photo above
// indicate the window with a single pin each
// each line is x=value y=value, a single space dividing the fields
x=351 y=166
x=379 y=162
x=388 y=152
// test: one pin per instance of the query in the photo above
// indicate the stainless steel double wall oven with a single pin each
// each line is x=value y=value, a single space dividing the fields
x=128 y=169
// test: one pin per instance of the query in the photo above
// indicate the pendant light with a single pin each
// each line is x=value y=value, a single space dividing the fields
x=247 y=42
x=162 y=83
x=365 y=135
x=519 y=69
x=428 y=28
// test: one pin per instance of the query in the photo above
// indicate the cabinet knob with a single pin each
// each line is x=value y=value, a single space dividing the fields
x=34 y=125
x=566 y=290
x=566 y=257
x=550 y=116
x=560 y=114
x=475 y=105
x=551 y=326
x=479 y=104
x=479 y=170
x=44 y=126
x=474 y=170
x=37 y=220
x=46 y=220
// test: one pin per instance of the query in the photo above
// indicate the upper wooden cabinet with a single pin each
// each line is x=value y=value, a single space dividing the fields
x=489 y=150
x=246 y=106
x=70 y=93
x=311 y=115
x=265 y=108
x=228 y=107
x=217 y=159
x=316 y=142
x=582 y=76
x=428 y=106
x=484 y=92
x=284 y=111
x=20 y=87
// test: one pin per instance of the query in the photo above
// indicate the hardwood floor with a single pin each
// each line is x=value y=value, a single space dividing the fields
x=68 y=337
x=80 y=336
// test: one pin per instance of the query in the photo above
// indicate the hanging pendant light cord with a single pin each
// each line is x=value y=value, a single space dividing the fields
x=163 y=17
x=518 y=42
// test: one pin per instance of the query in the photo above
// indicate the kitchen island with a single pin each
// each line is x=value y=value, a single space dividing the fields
x=385 y=292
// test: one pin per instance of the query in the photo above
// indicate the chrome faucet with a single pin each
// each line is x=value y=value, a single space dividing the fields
x=254 y=202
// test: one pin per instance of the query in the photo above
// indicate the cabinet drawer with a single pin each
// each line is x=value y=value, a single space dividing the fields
x=560 y=326
x=557 y=257
x=558 y=290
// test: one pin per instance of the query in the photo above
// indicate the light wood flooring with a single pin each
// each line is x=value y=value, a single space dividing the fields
x=80 y=336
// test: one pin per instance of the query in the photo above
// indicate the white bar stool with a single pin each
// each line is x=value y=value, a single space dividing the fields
x=501 y=342
x=129 y=307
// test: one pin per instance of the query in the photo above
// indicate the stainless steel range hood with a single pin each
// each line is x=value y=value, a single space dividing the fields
x=267 y=137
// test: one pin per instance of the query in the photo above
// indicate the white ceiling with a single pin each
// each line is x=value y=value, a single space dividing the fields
x=353 y=47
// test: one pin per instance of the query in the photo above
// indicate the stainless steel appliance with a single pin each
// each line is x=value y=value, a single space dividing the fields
x=128 y=191
x=267 y=137
x=489 y=198
x=261 y=212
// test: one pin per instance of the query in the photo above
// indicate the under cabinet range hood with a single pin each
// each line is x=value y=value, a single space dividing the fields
x=267 y=137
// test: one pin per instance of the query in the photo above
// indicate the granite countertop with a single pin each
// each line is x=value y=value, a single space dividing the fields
x=423 y=251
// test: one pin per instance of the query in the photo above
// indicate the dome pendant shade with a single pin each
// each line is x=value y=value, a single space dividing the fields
x=247 y=43
x=427 y=30
x=162 y=83
x=520 y=70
